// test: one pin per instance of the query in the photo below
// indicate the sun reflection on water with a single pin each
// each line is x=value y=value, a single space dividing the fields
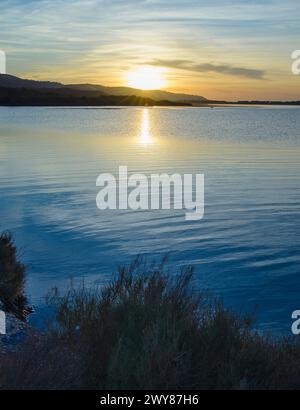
x=145 y=137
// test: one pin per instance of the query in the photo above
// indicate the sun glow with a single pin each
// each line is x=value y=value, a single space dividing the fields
x=146 y=78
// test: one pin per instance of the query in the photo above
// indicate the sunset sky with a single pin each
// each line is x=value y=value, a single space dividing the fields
x=221 y=49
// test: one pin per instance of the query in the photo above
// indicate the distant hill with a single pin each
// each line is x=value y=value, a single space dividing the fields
x=154 y=94
x=62 y=96
x=10 y=81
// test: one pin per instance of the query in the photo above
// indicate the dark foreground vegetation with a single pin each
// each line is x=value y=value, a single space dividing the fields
x=148 y=329
x=12 y=279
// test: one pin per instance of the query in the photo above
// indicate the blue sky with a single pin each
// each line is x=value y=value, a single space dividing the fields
x=220 y=49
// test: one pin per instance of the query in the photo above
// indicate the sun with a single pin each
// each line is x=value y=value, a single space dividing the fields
x=146 y=78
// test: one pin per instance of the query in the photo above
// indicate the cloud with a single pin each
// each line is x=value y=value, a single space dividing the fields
x=209 y=67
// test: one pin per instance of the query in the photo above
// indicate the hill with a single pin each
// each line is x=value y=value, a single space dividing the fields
x=10 y=81
x=71 y=97
x=154 y=94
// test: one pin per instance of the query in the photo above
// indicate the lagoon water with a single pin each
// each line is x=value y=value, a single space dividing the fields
x=246 y=249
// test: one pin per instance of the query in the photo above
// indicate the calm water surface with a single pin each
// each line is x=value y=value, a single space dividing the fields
x=246 y=249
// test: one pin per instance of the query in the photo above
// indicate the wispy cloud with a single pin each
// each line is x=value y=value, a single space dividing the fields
x=232 y=44
x=210 y=68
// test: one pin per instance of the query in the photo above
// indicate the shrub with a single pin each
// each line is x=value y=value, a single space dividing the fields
x=12 y=278
x=149 y=329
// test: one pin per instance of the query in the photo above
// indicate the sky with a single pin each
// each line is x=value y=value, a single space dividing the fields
x=221 y=49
